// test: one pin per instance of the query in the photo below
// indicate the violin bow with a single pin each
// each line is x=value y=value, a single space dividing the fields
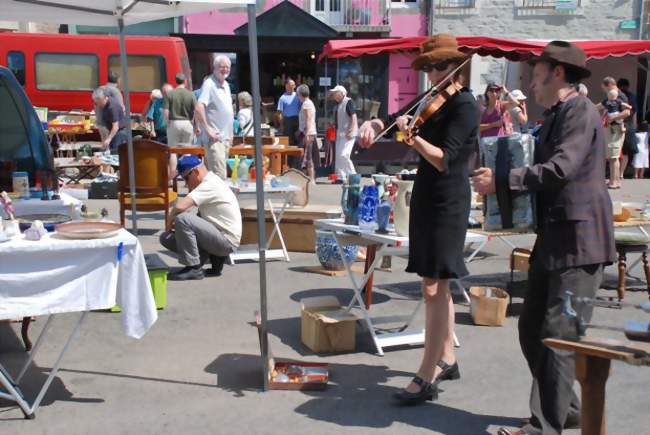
x=429 y=93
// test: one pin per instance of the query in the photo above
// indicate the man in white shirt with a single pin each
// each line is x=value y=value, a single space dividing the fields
x=345 y=119
x=215 y=115
x=214 y=233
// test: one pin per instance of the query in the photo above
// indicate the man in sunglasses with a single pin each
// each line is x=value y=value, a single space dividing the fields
x=213 y=233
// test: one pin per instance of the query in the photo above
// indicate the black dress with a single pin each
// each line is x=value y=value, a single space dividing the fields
x=440 y=202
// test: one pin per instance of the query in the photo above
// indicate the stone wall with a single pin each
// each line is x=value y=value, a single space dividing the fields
x=594 y=19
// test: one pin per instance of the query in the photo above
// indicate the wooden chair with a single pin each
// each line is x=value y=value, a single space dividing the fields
x=627 y=243
x=151 y=178
x=300 y=199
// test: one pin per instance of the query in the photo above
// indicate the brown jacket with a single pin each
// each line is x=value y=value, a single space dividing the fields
x=573 y=208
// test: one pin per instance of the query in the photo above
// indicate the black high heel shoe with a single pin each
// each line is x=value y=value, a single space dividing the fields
x=448 y=373
x=427 y=392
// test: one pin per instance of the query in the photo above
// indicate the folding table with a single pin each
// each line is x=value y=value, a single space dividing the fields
x=55 y=275
x=248 y=189
x=388 y=244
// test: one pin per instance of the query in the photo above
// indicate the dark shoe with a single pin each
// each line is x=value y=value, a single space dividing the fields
x=427 y=392
x=217 y=265
x=448 y=373
x=186 y=273
x=572 y=421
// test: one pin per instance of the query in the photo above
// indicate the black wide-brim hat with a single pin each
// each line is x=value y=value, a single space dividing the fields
x=567 y=54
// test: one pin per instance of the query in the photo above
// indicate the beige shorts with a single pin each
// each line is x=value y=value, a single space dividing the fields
x=615 y=136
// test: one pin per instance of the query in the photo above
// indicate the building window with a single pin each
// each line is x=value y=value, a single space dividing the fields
x=365 y=80
x=455 y=4
x=16 y=63
x=558 y=5
x=405 y=4
x=145 y=72
x=66 y=72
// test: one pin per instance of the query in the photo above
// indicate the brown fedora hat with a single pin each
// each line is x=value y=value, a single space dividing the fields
x=567 y=54
x=438 y=48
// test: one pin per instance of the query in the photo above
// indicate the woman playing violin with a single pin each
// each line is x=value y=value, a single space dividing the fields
x=440 y=205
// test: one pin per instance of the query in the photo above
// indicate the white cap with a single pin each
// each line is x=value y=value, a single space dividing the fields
x=518 y=95
x=339 y=88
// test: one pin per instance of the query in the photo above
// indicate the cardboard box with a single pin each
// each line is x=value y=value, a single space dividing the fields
x=326 y=326
x=488 y=305
x=520 y=259
x=297 y=226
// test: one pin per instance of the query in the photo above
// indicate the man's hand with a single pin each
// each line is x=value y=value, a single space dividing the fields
x=213 y=133
x=483 y=181
x=349 y=135
x=368 y=131
x=170 y=219
x=106 y=144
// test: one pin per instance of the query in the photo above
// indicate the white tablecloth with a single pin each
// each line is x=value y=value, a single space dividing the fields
x=56 y=275
x=67 y=205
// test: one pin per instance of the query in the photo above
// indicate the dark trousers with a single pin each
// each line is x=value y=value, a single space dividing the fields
x=552 y=397
x=290 y=128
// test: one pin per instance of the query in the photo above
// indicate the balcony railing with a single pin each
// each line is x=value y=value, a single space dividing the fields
x=558 y=5
x=455 y=4
x=354 y=15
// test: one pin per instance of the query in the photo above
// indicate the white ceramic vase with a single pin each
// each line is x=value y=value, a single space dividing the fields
x=402 y=207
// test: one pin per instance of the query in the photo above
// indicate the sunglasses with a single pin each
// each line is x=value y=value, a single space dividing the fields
x=441 y=66
x=187 y=176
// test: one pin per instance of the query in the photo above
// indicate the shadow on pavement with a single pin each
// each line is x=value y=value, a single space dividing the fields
x=356 y=397
x=12 y=357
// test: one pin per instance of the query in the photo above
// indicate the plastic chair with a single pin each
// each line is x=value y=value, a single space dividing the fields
x=151 y=178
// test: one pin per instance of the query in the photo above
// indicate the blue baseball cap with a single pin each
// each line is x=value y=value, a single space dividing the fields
x=187 y=163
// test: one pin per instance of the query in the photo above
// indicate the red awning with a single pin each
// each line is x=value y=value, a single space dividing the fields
x=511 y=49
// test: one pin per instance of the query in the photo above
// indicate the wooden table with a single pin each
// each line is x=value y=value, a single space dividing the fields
x=197 y=151
x=593 y=356
x=279 y=155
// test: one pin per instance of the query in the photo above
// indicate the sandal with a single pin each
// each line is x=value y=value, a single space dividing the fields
x=504 y=431
x=450 y=372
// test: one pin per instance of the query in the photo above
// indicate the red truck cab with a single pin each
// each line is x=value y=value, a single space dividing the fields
x=60 y=71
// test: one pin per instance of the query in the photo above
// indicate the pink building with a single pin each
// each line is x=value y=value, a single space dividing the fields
x=292 y=34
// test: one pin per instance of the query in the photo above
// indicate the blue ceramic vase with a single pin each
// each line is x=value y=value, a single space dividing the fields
x=328 y=253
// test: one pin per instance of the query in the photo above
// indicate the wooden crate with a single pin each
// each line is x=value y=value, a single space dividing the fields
x=297 y=226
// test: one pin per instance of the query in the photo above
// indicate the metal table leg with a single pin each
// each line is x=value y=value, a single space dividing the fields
x=15 y=394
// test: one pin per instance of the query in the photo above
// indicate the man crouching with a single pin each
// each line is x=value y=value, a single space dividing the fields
x=214 y=232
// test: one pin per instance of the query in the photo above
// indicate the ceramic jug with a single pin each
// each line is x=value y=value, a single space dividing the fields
x=350 y=199
x=383 y=214
x=380 y=181
x=402 y=207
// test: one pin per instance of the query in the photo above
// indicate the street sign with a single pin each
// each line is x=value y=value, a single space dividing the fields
x=628 y=24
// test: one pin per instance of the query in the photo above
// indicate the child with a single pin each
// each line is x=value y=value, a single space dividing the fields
x=640 y=162
x=614 y=135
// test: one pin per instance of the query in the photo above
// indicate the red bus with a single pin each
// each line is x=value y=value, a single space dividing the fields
x=60 y=71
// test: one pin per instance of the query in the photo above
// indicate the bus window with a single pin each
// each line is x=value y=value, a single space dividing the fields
x=66 y=72
x=145 y=72
x=16 y=63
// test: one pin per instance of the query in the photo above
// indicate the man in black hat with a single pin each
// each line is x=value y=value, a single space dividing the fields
x=575 y=236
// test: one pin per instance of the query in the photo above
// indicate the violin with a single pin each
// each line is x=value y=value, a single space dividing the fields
x=447 y=82
x=428 y=108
